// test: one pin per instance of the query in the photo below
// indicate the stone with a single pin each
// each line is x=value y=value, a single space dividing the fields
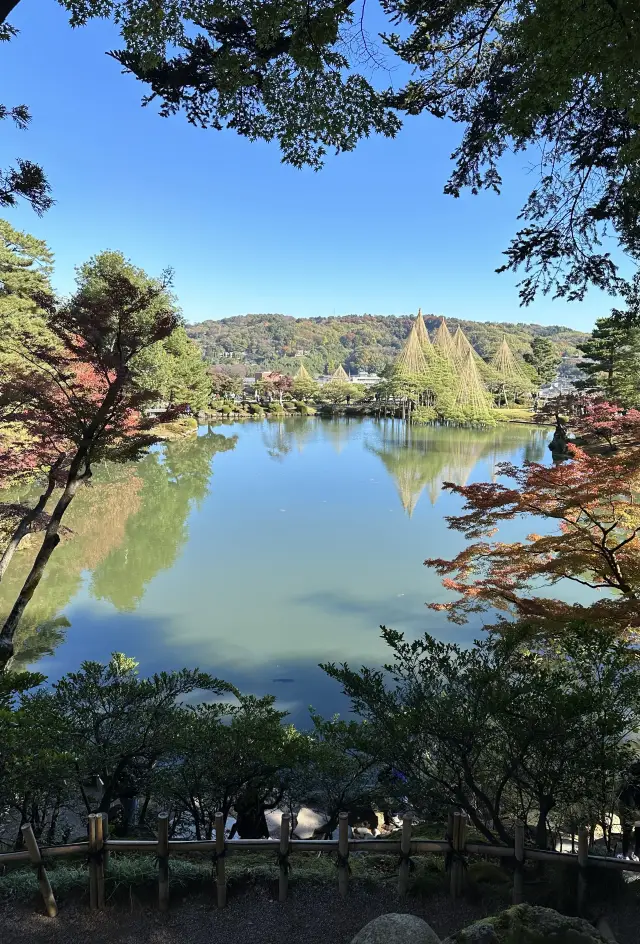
x=396 y=929
x=528 y=924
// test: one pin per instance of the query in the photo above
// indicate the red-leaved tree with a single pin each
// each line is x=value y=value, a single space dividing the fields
x=607 y=423
x=591 y=515
x=76 y=395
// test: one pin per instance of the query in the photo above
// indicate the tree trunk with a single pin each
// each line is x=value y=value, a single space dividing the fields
x=25 y=524
x=78 y=471
x=541 y=826
x=50 y=543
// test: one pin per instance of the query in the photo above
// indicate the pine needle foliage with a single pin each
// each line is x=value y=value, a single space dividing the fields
x=472 y=403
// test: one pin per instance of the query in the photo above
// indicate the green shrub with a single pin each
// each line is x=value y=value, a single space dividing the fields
x=226 y=409
x=423 y=414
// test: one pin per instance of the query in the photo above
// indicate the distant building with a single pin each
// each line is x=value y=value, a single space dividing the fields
x=272 y=375
x=365 y=378
x=559 y=388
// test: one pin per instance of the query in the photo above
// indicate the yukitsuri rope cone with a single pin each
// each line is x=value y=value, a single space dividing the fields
x=340 y=374
x=302 y=373
x=511 y=377
x=472 y=398
x=422 y=333
x=442 y=339
x=411 y=358
x=461 y=344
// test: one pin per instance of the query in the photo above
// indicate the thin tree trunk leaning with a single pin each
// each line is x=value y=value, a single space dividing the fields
x=24 y=526
x=78 y=471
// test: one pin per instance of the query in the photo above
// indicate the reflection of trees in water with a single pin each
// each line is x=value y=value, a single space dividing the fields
x=172 y=483
x=424 y=457
x=338 y=430
x=125 y=527
x=96 y=523
x=281 y=436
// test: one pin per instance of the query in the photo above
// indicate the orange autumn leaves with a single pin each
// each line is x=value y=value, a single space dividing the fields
x=591 y=538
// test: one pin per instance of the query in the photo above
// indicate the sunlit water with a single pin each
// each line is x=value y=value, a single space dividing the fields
x=260 y=549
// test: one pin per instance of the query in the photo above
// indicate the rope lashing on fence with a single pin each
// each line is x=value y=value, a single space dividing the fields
x=95 y=856
x=405 y=858
x=459 y=857
x=282 y=859
x=216 y=856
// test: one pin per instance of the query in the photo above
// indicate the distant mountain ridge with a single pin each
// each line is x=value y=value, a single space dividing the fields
x=359 y=342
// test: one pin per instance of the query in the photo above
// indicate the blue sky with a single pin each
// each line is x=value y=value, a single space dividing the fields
x=371 y=233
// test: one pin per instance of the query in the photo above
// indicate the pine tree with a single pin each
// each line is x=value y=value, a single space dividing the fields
x=443 y=340
x=472 y=403
x=544 y=357
x=422 y=333
x=302 y=373
x=340 y=374
x=604 y=351
x=511 y=382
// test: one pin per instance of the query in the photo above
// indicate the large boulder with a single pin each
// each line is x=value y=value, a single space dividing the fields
x=396 y=929
x=528 y=924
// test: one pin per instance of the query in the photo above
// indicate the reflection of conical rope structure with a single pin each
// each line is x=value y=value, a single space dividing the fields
x=411 y=358
x=419 y=457
x=421 y=332
x=472 y=400
x=511 y=378
x=340 y=374
x=302 y=373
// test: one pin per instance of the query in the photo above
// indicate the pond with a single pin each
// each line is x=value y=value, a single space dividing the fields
x=259 y=549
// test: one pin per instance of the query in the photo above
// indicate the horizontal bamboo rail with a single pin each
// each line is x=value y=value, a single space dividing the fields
x=455 y=850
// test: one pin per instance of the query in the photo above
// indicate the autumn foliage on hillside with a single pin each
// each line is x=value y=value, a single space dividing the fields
x=591 y=516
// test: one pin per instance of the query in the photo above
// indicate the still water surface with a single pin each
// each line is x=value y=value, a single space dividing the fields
x=259 y=549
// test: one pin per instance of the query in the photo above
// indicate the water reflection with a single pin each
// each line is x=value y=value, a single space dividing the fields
x=172 y=482
x=124 y=527
x=424 y=457
x=267 y=567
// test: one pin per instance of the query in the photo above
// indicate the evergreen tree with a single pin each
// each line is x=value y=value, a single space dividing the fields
x=176 y=369
x=604 y=351
x=544 y=358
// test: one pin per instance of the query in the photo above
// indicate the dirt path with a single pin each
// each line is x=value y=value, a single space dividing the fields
x=313 y=914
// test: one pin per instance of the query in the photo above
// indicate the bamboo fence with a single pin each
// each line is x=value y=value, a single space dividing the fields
x=455 y=848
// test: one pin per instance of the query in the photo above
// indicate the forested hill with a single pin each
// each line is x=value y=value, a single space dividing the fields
x=358 y=341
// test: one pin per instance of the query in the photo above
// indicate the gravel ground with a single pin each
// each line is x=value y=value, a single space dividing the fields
x=313 y=914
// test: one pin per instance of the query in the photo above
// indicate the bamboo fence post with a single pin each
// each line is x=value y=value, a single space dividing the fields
x=343 y=853
x=283 y=882
x=100 y=860
x=43 y=879
x=93 y=876
x=518 y=875
x=163 y=861
x=405 y=850
x=448 y=859
x=221 y=882
x=583 y=860
x=458 y=843
x=105 y=836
